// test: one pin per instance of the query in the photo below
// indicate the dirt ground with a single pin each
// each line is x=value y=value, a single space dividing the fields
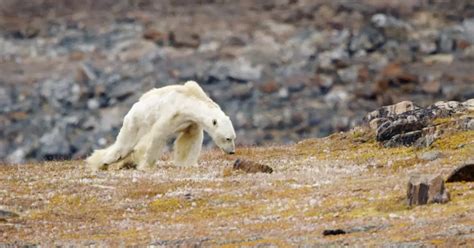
x=345 y=181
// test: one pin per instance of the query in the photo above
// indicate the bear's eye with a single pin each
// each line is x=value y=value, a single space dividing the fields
x=228 y=139
x=214 y=122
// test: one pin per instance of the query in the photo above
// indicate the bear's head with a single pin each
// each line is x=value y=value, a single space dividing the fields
x=222 y=132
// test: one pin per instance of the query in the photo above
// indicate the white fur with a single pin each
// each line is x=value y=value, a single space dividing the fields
x=182 y=110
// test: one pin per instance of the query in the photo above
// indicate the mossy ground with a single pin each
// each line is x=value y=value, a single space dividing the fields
x=343 y=181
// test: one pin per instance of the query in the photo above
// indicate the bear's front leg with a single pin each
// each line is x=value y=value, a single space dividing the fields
x=187 y=147
x=152 y=146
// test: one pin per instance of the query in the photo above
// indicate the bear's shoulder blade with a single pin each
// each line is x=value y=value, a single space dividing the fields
x=195 y=90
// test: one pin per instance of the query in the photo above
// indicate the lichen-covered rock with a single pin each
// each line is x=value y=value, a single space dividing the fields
x=425 y=189
x=391 y=110
x=405 y=124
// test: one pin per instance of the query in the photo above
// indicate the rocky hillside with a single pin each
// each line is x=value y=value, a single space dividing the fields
x=283 y=70
x=348 y=189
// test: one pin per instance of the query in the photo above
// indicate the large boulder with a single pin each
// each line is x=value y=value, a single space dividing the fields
x=425 y=189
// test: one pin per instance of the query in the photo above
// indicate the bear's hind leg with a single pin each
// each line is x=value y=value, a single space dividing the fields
x=187 y=147
x=126 y=139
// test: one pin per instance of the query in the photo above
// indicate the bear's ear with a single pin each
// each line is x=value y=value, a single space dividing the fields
x=214 y=122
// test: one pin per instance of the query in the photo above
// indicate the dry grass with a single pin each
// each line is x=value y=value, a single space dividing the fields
x=342 y=181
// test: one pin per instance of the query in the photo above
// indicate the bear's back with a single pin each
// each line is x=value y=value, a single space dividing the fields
x=190 y=89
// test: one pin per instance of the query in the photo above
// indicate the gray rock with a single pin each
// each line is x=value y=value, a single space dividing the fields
x=6 y=100
x=242 y=70
x=17 y=157
x=426 y=140
x=468 y=26
x=469 y=104
x=414 y=244
x=393 y=28
x=181 y=39
x=425 y=189
x=243 y=91
x=5 y=215
x=469 y=124
x=122 y=89
x=54 y=144
x=349 y=75
x=431 y=155
x=93 y=104
x=60 y=93
x=338 y=96
x=369 y=39
x=446 y=41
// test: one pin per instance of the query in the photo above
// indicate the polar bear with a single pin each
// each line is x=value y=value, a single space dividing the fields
x=184 y=111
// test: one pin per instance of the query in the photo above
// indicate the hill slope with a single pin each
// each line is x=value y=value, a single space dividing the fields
x=345 y=181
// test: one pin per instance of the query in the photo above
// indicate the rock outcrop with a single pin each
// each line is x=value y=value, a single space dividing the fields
x=405 y=124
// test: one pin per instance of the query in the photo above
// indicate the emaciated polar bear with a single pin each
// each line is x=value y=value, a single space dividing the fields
x=182 y=110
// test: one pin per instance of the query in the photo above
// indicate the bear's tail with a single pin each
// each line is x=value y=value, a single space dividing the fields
x=95 y=160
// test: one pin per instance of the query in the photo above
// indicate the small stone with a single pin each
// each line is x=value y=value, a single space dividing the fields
x=243 y=70
x=446 y=42
x=269 y=87
x=154 y=35
x=93 y=104
x=242 y=91
x=469 y=124
x=283 y=93
x=369 y=39
x=85 y=73
x=425 y=189
x=251 y=167
x=181 y=39
x=431 y=155
x=432 y=87
x=462 y=173
x=5 y=215
x=135 y=50
x=330 y=232
x=348 y=75
x=438 y=58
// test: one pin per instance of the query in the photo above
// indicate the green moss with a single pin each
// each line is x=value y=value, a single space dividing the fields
x=440 y=121
x=455 y=140
x=392 y=204
x=405 y=162
x=168 y=204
